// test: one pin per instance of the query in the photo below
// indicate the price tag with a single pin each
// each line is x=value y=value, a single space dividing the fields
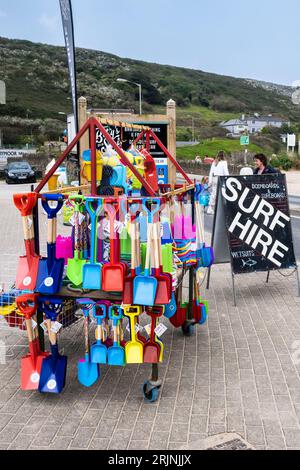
x=55 y=327
x=33 y=324
x=29 y=222
x=147 y=328
x=104 y=333
x=44 y=327
x=160 y=330
x=72 y=220
x=81 y=218
x=194 y=246
x=137 y=328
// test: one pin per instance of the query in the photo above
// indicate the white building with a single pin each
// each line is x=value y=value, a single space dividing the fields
x=252 y=124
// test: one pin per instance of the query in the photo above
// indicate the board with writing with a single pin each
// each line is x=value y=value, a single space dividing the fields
x=257 y=222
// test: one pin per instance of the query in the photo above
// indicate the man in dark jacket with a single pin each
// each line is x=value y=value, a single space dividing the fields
x=262 y=167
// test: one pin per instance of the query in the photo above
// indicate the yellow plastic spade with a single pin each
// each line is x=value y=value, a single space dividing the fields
x=134 y=348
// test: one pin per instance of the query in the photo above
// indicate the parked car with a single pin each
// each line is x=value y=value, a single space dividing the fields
x=19 y=172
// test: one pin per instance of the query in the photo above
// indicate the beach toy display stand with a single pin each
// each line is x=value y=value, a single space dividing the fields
x=107 y=278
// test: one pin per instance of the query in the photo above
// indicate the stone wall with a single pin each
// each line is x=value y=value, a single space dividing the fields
x=190 y=166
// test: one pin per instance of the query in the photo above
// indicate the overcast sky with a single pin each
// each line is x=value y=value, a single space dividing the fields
x=256 y=39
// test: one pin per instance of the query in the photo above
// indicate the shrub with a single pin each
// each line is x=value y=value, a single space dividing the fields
x=282 y=162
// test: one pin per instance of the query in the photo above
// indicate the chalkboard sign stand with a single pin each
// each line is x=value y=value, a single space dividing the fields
x=222 y=243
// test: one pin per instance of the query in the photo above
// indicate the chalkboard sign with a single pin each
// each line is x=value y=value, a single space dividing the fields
x=124 y=137
x=257 y=223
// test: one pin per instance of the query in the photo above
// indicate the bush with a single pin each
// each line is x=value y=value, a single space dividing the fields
x=282 y=162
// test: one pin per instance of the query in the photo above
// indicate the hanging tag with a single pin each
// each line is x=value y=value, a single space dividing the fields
x=44 y=327
x=72 y=220
x=55 y=327
x=137 y=328
x=193 y=246
x=33 y=324
x=29 y=222
x=147 y=328
x=104 y=332
x=81 y=218
x=160 y=330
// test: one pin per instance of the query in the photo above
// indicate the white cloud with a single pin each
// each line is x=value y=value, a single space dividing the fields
x=3 y=14
x=50 y=23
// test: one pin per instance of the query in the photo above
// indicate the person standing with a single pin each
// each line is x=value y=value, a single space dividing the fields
x=219 y=167
x=261 y=164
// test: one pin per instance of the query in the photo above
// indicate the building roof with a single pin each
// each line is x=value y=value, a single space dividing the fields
x=233 y=122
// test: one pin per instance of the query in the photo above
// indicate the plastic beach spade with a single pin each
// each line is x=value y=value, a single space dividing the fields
x=145 y=286
x=116 y=354
x=134 y=347
x=31 y=364
x=151 y=348
x=98 y=349
x=28 y=265
x=88 y=372
x=113 y=273
x=92 y=270
x=76 y=264
x=51 y=269
x=54 y=367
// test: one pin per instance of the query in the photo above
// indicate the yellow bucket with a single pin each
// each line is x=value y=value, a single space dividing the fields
x=7 y=309
x=136 y=184
x=52 y=183
x=87 y=169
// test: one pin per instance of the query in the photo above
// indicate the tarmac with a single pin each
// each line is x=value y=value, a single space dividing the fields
x=236 y=378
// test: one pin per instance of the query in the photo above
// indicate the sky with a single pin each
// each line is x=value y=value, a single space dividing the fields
x=257 y=39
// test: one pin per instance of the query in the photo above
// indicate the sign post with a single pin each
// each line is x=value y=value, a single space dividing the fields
x=252 y=225
x=245 y=141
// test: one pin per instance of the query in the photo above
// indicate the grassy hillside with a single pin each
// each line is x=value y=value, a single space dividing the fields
x=37 y=81
x=213 y=146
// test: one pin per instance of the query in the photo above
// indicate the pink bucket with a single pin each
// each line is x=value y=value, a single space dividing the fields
x=64 y=248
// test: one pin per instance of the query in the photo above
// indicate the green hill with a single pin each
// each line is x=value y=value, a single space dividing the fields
x=37 y=81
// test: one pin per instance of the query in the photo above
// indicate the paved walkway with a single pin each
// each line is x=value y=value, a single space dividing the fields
x=239 y=373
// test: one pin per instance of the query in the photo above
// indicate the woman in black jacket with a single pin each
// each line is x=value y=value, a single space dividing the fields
x=262 y=167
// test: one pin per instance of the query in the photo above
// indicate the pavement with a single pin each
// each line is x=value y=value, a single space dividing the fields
x=238 y=375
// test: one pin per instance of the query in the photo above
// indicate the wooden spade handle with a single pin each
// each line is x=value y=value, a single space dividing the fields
x=138 y=244
x=50 y=231
x=149 y=238
x=52 y=336
x=26 y=228
x=133 y=244
x=29 y=329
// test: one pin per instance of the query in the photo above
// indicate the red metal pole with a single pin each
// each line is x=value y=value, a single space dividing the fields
x=124 y=159
x=166 y=151
x=148 y=141
x=139 y=137
x=93 y=159
x=62 y=158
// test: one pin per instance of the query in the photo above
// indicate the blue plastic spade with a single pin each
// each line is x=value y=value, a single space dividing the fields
x=54 y=367
x=92 y=270
x=88 y=372
x=116 y=354
x=171 y=308
x=50 y=272
x=98 y=349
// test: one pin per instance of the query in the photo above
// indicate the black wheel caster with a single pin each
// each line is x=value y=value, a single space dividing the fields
x=151 y=391
x=188 y=329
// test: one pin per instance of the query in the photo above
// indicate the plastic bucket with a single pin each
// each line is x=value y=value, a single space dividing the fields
x=64 y=248
x=52 y=182
x=87 y=170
